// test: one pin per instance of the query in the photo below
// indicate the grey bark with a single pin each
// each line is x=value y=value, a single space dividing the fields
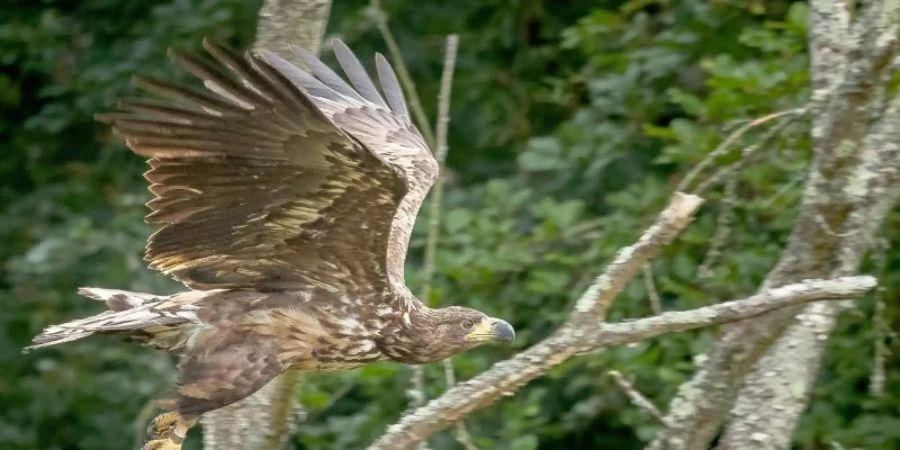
x=777 y=390
x=266 y=419
x=852 y=185
x=284 y=24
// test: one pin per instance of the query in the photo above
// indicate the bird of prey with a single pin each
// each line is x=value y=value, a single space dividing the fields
x=286 y=197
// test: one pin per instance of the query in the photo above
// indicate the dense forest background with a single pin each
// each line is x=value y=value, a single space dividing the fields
x=571 y=124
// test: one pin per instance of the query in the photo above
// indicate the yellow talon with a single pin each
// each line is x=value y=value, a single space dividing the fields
x=167 y=432
x=162 y=424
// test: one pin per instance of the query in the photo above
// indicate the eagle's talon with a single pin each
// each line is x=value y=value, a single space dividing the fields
x=162 y=425
x=166 y=432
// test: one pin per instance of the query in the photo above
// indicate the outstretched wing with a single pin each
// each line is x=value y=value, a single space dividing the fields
x=382 y=124
x=257 y=185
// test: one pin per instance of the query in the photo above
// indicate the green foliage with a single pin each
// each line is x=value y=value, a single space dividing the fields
x=571 y=125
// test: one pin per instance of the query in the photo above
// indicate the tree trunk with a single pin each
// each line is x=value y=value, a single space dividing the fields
x=265 y=420
x=776 y=391
x=851 y=187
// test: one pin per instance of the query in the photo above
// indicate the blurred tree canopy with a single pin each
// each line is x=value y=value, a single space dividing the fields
x=572 y=122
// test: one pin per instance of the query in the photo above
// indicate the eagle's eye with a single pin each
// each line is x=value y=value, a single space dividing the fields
x=468 y=324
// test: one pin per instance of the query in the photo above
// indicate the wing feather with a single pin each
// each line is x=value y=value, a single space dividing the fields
x=199 y=98
x=216 y=81
x=357 y=74
x=390 y=86
x=275 y=177
x=322 y=72
x=239 y=66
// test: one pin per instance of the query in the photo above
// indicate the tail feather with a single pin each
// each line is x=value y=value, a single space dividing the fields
x=118 y=300
x=128 y=311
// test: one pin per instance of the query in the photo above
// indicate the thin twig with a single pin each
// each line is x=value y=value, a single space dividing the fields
x=141 y=420
x=729 y=200
x=437 y=196
x=723 y=230
x=650 y=286
x=440 y=154
x=787 y=186
x=443 y=121
x=417 y=391
x=724 y=146
x=747 y=155
x=880 y=326
x=637 y=399
x=381 y=21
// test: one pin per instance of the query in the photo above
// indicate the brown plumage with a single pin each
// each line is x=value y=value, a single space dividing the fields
x=286 y=198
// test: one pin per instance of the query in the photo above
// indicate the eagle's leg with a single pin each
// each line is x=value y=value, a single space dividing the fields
x=167 y=431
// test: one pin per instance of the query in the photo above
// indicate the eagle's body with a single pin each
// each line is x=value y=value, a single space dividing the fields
x=286 y=199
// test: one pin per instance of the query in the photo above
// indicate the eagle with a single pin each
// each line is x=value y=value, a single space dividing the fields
x=286 y=198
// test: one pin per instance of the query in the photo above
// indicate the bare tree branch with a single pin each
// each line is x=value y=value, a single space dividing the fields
x=747 y=153
x=440 y=154
x=650 y=287
x=636 y=398
x=266 y=418
x=579 y=337
x=507 y=376
x=437 y=196
x=725 y=146
x=434 y=221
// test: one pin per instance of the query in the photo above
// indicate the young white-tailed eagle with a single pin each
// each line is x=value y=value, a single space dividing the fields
x=286 y=198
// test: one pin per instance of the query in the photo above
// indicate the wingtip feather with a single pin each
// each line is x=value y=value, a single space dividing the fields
x=357 y=74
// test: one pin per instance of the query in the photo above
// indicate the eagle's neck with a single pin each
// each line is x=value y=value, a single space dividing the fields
x=415 y=339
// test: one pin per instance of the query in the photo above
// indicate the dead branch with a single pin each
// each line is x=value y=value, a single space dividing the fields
x=637 y=399
x=724 y=147
x=650 y=287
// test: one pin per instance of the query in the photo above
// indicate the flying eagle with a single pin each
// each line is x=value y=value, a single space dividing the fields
x=286 y=198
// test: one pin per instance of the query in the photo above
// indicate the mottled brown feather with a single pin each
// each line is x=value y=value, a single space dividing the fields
x=258 y=186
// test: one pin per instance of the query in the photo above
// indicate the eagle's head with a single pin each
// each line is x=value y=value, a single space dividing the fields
x=455 y=329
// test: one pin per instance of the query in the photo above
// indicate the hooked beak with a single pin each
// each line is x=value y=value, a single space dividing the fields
x=491 y=329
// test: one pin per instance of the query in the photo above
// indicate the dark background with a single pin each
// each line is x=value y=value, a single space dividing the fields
x=572 y=122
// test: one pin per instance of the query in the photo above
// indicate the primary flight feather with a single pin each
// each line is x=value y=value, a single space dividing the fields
x=286 y=198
